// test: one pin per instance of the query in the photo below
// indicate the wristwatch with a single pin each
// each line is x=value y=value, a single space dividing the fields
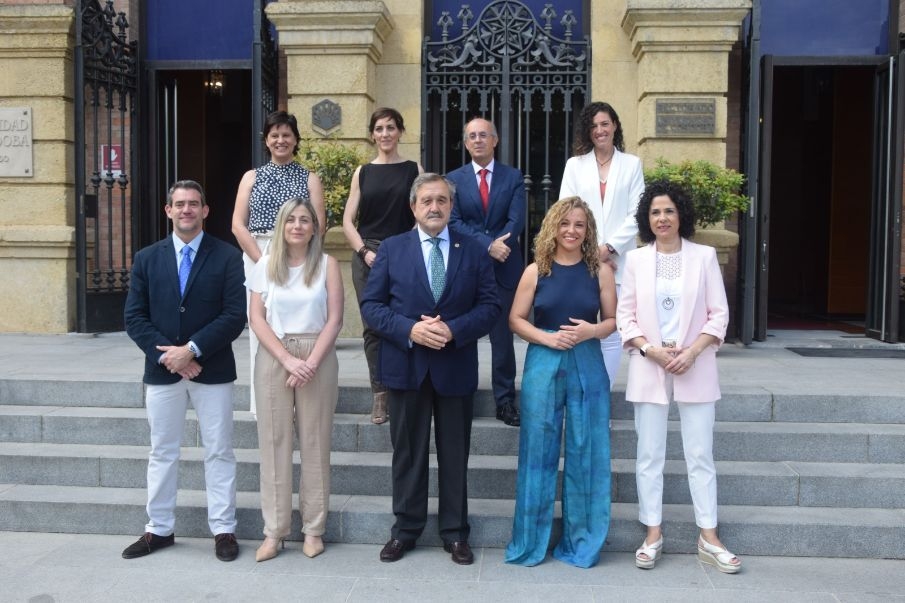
x=363 y=251
x=610 y=248
x=644 y=349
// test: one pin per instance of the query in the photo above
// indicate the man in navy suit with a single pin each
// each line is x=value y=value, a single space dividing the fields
x=430 y=296
x=490 y=206
x=186 y=305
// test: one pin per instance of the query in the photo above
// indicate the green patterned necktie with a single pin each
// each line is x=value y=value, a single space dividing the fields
x=438 y=270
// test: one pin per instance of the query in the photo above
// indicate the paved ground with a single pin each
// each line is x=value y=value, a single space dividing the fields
x=765 y=365
x=44 y=568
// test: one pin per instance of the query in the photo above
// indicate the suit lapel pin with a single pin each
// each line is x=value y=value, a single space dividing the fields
x=456 y=245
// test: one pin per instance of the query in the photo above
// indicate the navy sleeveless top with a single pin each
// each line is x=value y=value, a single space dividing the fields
x=568 y=291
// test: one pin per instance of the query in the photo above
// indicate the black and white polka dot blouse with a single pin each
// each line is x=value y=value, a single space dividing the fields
x=274 y=185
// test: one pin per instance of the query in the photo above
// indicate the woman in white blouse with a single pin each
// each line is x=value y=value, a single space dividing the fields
x=296 y=311
x=610 y=181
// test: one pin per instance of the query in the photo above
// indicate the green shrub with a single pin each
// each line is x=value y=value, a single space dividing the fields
x=715 y=191
x=334 y=162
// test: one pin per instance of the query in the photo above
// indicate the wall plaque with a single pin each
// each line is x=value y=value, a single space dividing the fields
x=326 y=116
x=15 y=143
x=682 y=117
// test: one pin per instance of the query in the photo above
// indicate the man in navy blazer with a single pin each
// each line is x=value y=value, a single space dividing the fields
x=430 y=296
x=186 y=305
x=497 y=225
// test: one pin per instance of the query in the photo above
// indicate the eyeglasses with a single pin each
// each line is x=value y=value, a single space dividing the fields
x=477 y=135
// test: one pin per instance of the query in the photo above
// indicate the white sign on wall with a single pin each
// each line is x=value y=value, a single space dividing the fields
x=15 y=143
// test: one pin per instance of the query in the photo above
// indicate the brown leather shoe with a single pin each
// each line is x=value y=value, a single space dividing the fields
x=147 y=544
x=394 y=549
x=461 y=552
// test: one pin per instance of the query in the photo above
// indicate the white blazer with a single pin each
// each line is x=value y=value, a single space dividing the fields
x=615 y=217
x=703 y=309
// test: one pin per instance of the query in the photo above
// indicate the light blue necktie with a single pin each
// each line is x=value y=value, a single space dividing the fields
x=185 y=267
x=438 y=270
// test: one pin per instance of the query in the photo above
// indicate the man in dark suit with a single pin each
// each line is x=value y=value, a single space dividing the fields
x=490 y=206
x=186 y=305
x=430 y=296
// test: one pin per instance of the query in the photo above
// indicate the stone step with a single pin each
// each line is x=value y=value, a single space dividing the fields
x=733 y=441
x=745 y=404
x=489 y=476
x=746 y=530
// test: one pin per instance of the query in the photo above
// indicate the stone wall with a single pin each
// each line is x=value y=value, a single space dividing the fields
x=37 y=235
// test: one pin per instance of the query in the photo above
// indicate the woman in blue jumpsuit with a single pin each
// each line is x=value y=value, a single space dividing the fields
x=573 y=297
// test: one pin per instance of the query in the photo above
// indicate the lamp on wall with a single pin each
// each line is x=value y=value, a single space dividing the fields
x=214 y=82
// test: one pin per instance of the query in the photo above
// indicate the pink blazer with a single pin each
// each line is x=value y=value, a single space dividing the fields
x=703 y=310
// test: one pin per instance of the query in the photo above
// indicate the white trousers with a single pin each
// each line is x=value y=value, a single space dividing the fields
x=166 y=406
x=263 y=241
x=697 y=440
x=611 y=347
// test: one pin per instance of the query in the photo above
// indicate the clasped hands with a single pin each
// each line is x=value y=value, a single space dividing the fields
x=300 y=371
x=179 y=360
x=673 y=360
x=568 y=336
x=431 y=332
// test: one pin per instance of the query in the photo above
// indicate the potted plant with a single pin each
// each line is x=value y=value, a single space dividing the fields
x=715 y=191
x=335 y=163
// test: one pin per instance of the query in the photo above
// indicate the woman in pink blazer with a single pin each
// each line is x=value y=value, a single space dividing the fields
x=672 y=316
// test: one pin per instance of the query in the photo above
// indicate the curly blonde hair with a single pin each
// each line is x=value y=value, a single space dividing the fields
x=545 y=241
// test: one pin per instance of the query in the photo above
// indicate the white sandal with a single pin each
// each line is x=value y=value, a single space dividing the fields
x=653 y=552
x=718 y=557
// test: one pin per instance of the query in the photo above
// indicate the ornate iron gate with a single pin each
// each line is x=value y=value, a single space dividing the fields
x=512 y=68
x=106 y=86
x=264 y=77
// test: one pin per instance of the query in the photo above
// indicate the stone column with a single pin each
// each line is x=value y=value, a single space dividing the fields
x=682 y=49
x=332 y=51
x=37 y=235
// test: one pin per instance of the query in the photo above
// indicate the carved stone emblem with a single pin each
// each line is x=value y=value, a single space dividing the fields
x=326 y=116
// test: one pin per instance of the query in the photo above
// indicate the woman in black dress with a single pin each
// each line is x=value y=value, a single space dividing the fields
x=378 y=207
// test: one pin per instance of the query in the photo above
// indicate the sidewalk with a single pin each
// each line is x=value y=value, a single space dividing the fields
x=41 y=568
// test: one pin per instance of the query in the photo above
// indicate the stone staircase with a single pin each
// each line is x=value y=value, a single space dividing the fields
x=811 y=475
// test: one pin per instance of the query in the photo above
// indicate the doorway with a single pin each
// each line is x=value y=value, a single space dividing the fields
x=819 y=196
x=200 y=132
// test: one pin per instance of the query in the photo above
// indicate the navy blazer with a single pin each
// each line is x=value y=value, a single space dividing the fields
x=211 y=312
x=398 y=293
x=505 y=213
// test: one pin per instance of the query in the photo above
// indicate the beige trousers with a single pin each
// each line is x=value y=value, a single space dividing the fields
x=263 y=241
x=310 y=408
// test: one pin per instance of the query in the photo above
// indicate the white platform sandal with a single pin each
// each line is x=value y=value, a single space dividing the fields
x=653 y=552
x=718 y=557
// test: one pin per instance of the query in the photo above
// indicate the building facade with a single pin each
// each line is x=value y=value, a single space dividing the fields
x=181 y=92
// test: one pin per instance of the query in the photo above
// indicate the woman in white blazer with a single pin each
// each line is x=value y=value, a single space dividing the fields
x=672 y=317
x=610 y=181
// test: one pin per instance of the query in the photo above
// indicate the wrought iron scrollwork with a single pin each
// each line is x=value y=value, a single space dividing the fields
x=106 y=90
x=506 y=28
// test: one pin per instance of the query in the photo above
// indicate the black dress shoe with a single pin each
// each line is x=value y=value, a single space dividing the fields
x=226 y=546
x=508 y=414
x=395 y=549
x=461 y=552
x=147 y=544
